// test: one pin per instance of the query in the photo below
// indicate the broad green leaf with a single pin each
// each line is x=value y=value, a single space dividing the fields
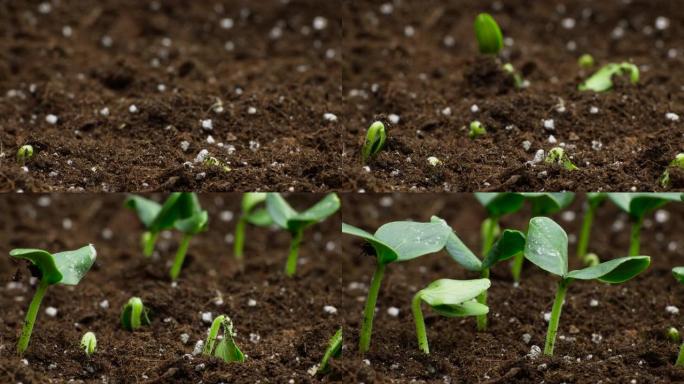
x=43 y=260
x=500 y=203
x=469 y=308
x=678 y=273
x=508 y=245
x=453 y=292
x=547 y=246
x=259 y=217
x=168 y=214
x=319 y=212
x=75 y=264
x=639 y=204
x=613 y=271
x=279 y=209
x=384 y=252
x=547 y=203
x=602 y=80
x=459 y=251
x=146 y=209
x=488 y=34
x=409 y=239
x=194 y=224
x=334 y=349
x=228 y=351
x=251 y=200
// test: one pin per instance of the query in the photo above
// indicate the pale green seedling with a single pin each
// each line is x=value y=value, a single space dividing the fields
x=252 y=213
x=586 y=61
x=678 y=162
x=334 y=350
x=134 y=314
x=89 y=343
x=375 y=141
x=24 y=154
x=226 y=349
x=678 y=273
x=476 y=130
x=602 y=80
x=558 y=156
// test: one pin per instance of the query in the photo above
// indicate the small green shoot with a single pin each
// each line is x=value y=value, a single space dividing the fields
x=637 y=205
x=89 y=343
x=476 y=130
x=134 y=314
x=602 y=80
x=558 y=156
x=594 y=200
x=252 y=215
x=334 y=350
x=673 y=335
x=678 y=162
x=375 y=141
x=488 y=34
x=678 y=273
x=395 y=241
x=24 y=154
x=547 y=248
x=586 y=61
x=66 y=268
x=517 y=78
x=295 y=222
x=451 y=298
x=225 y=349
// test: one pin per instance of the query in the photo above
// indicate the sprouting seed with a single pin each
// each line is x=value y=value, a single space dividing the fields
x=225 y=349
x=476 y=130
x=24 y=153
x=586 y=61
x=334 y=349
x=251 y=214
x=134 y=314
x=602 y=80
x=89 y=343
x=673 y=334
x=375 y=140
x=678 y=162
x=488 y=34
x=517 y=78
x=558 y=156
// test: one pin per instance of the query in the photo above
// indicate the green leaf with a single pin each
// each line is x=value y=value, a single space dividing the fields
x=460 y=252
x=259 y=217
x=453 y=297
x=384 y=252
x=319 y=212
x=43 y=260
x=146 y=209
x=251 y=200
x=547 y=246
x=73 y=265
x=194 y=224
x=168 y=214
x=500 y=203
x=228 y=351
x=547 y=203
x=509 y=244
x=334 y=349
x=613 y=271
x=602 y=80
x=639 y=204
x=279 y=209
x=469 y=308
x=678 y=273
x=596 y=198
x=375 y=140
x=488 y=34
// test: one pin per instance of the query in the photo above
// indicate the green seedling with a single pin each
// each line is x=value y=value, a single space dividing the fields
x=509 y=244
x=89 y=343
x=547 y=248
x=395 y=242
x=334 y=350
x=678 y=162
x=451 y=298
x=476 y=130
x=251 y=214
x=517 y=78
x=558 y=156
x=678 y=273
x=637 y=205
x=375 y=141
x=586 y=61
x=673 y=335
x=225 y=349
x=488 y=34
x=594 y=200
x=602 y=80
x=134 y=314
x=543 y=204
x=295 y=222
x=24 y=154
x=66 y=268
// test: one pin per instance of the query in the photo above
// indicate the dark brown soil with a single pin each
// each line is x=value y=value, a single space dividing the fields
x=291 y=81
x=630 y=318
x=627 y=144
x=288 y=317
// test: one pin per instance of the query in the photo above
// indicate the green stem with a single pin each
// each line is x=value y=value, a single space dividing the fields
x=680 y=357
x=369 y=311
x=516 y=269
x=180 y=256
x=555 y=317
x=489 y=227
x=482 y=299
x=583 y=242
x=420 y=324
x=31 y=317
x=149 y=240
x=634 y=236
x=239 y=241
x=291 y=266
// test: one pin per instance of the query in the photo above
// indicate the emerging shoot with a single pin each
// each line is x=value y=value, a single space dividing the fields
x=24 y=154
x=476 y=130
x=602 y=80
x=66 y=268
x=678 y=162
x=334 y=349
x=586 y=61
x=451 y=298
x=488 y=34
x=134 y=314
x=547 y=247
x=517 y=78
x=89 y=343
x=225 y=349
x=558 y=156
x=375 y=141
x=252 y=215
x=295 y=222
x=395 y=241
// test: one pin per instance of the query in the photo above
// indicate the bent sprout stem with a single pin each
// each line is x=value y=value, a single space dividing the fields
x=239 y=244
x=180 y=256
x=291 y=266
x=489 y=230
x=420 y=324
x=31 y=316
x=555 y=317
x=369 y=310
x=635 y=235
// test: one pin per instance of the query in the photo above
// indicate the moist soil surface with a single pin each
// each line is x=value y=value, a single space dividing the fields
x=620 y=340
x=272 y=66
x=418 y=61
x=283 y=334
